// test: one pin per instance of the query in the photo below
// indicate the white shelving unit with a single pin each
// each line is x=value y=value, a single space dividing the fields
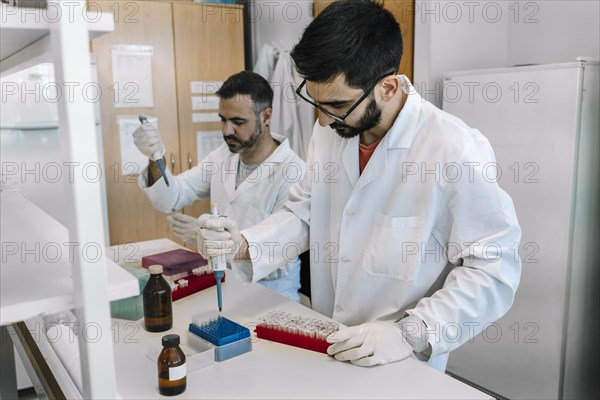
x=36 y=274
x=60 y=34
x=25 y=39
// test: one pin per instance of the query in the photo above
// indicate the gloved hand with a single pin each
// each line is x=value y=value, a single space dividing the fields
x=218 y=236
x=147 y=140
x=369 y=344
x=184 y=227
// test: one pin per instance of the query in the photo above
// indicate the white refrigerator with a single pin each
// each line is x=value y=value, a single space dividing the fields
x=543 y=123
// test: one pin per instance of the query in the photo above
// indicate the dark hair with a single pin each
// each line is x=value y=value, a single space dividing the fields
x=251 y=84
x=358 y=38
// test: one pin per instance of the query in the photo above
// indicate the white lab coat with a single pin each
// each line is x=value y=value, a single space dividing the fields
x=408 y=235
x=266 y=61
x=292 y=117
x=264 y=191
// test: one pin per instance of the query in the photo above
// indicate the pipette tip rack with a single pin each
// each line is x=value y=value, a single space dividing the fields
x=217 y=329
x=228 y=338
x=306 y=333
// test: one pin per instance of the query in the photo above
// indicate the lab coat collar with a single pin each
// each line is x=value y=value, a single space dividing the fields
x=403 y=131
x=400 y=135
x=229 y=181
x=265 y=170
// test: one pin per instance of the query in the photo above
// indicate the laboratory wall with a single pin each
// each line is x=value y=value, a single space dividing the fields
x=562 y=31
x=465 y=35
x=451 y=36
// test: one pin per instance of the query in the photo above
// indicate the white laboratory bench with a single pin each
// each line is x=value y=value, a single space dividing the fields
x=271 y=370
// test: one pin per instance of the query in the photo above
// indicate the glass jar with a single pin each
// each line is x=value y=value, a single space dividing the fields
x=172 y=371
x=158 y=306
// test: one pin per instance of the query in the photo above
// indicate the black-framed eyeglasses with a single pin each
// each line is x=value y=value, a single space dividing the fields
x=342 y=118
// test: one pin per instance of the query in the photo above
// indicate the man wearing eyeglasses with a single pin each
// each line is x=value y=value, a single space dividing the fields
x=413 y=245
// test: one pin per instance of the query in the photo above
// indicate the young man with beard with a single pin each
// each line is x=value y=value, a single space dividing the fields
x=249 y=176
x=413 y=243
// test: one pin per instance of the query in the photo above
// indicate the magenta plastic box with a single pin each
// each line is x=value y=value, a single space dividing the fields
x=175 y=261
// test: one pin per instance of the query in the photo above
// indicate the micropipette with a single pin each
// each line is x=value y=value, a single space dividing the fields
x=218 y=263
x=156 y=156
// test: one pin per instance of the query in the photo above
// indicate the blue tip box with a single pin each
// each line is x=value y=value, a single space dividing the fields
x=228 y=338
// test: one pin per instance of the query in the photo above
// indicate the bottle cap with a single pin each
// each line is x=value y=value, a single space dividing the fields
x=171 y=340
x=155 y=269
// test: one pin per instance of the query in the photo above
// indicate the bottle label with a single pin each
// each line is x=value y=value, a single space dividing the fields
x=176 y=373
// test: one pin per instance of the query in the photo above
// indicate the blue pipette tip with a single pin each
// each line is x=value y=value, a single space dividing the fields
x=219 y=276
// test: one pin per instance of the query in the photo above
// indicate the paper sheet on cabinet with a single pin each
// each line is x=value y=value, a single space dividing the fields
x=205 y=117
x=205 y=103
x=205 y=87
x=207 y=141
x=132 y=76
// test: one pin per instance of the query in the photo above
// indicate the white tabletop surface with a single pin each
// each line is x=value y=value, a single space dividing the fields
x=271 y=370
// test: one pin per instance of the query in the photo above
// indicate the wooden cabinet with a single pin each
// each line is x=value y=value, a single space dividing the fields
x=191 y=42
x=404 y=11
x=209 y=46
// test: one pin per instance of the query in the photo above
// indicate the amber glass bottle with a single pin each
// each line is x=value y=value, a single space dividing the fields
x=172 y=373
x=158 y=307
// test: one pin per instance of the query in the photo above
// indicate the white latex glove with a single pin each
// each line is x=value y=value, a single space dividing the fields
x=369 y=344
x=147 y=140
x=218 y=236
x=184 y=227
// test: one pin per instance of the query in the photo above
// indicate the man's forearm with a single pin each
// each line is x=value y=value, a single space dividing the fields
x=243 y=253
x=153 y=172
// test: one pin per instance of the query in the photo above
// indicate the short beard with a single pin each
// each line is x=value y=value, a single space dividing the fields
x=245 y=145
x=370 y=119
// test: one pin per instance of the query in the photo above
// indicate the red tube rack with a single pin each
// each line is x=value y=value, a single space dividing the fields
x=196 y=283
x=292 y=339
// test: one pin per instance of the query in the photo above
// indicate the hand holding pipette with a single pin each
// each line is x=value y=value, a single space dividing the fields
x=218 y=240
x=147 y=140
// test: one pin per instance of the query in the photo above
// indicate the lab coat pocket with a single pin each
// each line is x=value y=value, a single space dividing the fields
x=393 y=249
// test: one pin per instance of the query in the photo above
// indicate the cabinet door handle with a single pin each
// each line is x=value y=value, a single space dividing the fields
x=189 y=160
x=172 y=162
